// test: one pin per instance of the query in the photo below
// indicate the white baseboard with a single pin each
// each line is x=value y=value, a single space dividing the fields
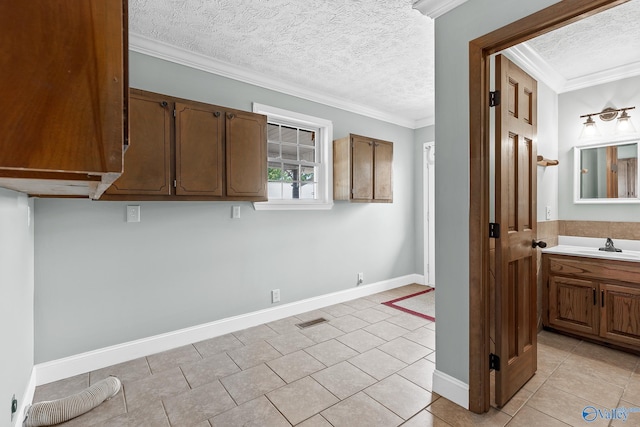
x=451 y=388
x=27 y=398
x=85 y=362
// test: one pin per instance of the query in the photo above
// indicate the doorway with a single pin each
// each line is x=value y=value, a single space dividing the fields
x=428 y=186
x=480 y=49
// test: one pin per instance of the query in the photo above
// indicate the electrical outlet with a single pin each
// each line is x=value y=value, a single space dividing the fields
x=133 y=213
x=548 y=212
x=235 y=212
x=275 y=295
x=14 y=406
x=360 y=278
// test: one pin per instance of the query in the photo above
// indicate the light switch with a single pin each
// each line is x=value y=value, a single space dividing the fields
x=133 y=213
x=235 y=212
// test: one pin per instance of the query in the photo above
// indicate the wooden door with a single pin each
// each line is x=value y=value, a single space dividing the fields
x=246 y=154
x=199 y=149
x=573 y=304
x=361 y=168
x=515 y=211
x=620 y=313
x=383 y=168
x=147 y=161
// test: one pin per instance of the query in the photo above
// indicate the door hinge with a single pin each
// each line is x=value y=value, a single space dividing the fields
x=494 y=98
x=175 y=114
x=175 y=183
x=494 y=230
x=494 y=362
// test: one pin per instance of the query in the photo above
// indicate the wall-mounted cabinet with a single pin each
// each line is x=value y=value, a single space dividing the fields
x=64 y=85
x=362 y=169
x=598 y=299
x=187 y=150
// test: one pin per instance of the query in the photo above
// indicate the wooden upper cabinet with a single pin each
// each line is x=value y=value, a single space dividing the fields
x=65 y=80
x=199 y=149
x=246 y=159
x=188 y=150
x=147 y=168
x=363 y=169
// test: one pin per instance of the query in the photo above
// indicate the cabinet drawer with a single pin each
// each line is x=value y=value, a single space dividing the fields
x=623 y=271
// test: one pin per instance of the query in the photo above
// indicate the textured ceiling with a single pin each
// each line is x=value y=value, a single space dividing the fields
x=374 y=53
x=369 y=56
x=604 y=41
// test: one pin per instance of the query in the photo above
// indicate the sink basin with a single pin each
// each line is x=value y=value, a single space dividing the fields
x=613 y=255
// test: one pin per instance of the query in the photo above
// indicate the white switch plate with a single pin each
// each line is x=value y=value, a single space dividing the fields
x=133 y=213
x=235 y=212
x=275 y=295
x=548 y=212
x=360 y=278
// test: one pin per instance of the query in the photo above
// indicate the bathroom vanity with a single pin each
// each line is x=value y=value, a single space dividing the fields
x=593 y=294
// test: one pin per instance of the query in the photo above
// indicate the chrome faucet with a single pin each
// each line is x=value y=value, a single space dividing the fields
x=608 y=246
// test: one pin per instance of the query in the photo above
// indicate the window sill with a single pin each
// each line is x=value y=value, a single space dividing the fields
x=286 y=205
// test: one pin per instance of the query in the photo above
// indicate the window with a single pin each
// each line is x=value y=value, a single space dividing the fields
x=299 y=160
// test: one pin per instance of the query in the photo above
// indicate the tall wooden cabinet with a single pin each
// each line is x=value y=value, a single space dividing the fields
x=187 y=150
x=362 y=169
x=595 y=298
x=64 y=85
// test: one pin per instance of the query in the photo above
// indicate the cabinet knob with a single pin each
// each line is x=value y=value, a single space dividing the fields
x=216 y=114
x=230 y=115
x=164 y=104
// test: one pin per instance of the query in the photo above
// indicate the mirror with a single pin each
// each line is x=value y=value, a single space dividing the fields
x=607 y=173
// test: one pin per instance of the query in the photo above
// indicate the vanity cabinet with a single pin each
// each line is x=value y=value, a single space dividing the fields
x=362 y=169
x=598 y=299
x=64 y=86
x=187 y=150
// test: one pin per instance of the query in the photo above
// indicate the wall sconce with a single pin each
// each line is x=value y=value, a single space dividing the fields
x=623 y=126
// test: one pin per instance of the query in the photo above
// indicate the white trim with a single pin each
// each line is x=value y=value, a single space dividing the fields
x=451 y=388
x=325 y=170
x=428 y=202
x=167 y=52
x=528 y=58
x=27 y=399
x=85 y=362
x=436 y=8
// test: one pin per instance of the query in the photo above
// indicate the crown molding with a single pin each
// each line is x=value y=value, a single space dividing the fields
x=528 y=58
x=436 y=8
x=167 y=52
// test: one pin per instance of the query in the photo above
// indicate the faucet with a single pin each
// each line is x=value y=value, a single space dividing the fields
x=608 y=246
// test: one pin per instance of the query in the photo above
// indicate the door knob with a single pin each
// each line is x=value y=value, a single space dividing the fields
x=540 y=244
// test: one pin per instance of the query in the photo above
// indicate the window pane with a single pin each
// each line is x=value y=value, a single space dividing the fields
x=273 y=151
x=290 y=172
x=308 y=154
x=275 y=172
x=308 y=190
x=289 y=152
x=307 y=173
x=273 y=132
x=275 y=190
x=307 y=137
x=289 y=134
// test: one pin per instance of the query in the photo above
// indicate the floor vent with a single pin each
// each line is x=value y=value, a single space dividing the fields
x=310 y=323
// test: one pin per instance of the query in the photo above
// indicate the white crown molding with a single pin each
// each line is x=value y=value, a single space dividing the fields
x=528 y=58
x=436 y=8
x=157 y=49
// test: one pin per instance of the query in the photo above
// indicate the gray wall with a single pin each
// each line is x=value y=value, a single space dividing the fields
x=453 y=31
x=622 y=93
x=101 y=281
x=16 y=298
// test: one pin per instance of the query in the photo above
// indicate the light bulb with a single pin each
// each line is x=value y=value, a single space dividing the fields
x=589 y=130
x=624 y=125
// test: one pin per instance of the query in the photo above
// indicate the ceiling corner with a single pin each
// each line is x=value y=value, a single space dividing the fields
x=436 y=8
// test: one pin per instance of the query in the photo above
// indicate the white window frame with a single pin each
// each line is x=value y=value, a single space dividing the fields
x=324 y=147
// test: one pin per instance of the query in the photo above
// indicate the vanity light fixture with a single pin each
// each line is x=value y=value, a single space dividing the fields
x=623 y=126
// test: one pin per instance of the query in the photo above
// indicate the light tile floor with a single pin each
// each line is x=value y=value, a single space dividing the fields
x=370 y=365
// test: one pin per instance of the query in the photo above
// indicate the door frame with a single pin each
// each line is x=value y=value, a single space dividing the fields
x=555 y=16
x=428 y=209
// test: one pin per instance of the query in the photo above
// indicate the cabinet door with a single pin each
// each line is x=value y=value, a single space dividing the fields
x=620 y=313
x=362 y=162
x=147 y=161
x=573 y=304
x=383 y=167
x=246 y=154
x=199 y=149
